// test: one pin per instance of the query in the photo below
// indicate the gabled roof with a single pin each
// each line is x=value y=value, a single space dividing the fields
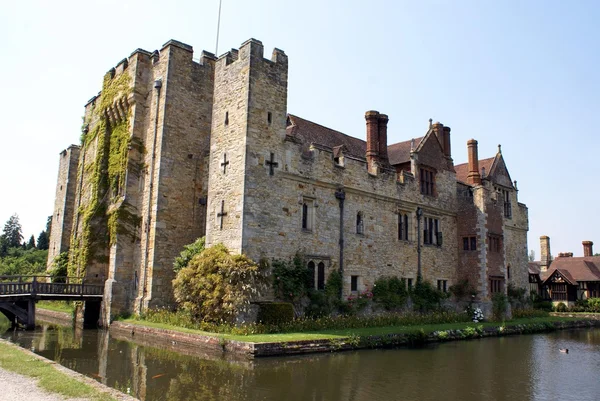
x=462 y=170
x=575 y=269
x=399 y=153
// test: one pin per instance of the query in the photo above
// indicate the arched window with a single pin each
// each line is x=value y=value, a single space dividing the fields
x=311 y=274
x=360 y=226
x=321 y=276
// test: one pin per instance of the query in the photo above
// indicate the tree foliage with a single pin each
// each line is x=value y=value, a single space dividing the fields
x=42 y=240
x=216 y=286
x=189 y=251
x=390 y=292
x=31 y=242
x=59 y=268
x=13 y=232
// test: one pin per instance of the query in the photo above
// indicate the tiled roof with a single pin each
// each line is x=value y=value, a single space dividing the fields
x=400 y=152
x=462 y=170
x=534 y=267
x=310 y=132
x=576 y=268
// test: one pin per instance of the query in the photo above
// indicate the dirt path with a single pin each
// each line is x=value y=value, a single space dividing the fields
x=16 y=387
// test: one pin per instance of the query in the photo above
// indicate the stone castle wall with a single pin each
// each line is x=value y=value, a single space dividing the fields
x=64 y=204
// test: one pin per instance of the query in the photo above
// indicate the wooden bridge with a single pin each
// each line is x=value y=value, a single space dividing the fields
x=19 y=294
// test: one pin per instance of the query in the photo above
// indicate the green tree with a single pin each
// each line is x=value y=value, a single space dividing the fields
x=48 y=226
x=189 y=251
x=42 y=241
x=31 y=242
x=13 y=231
x=216 y=286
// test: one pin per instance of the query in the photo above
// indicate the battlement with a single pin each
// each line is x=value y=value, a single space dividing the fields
x=254 y=48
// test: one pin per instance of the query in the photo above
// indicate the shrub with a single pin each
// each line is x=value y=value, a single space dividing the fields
x=188 y=253
x=499 y=306
x=216 y=286
x=426 y=297
x=529 y=313
x=462 y=290
x=290 y=279
x=543 y=305
x=561 y=307
x=590 y=305
x=270 y=313
x=516 y=296
x=390 y=292
x=324 y=302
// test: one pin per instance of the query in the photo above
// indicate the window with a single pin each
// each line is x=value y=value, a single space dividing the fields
x=442 y=285
x=320 y=276
x=339 y=161
x=559 y=292
x=311 y=274
x=353 y=283
x=495 y=243
x=308 y=207
x=269 y=118
x=409 y=283
x=360 y=225
x=495 y=285
x=432 y=235
x=507 y=204
x=403 y=226
x=469 y=243
x=427 y=181
x=508 y=272
x=226 y=118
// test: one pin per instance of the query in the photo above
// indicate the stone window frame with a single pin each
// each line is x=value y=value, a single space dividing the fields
x=470 y=243
x=495 y=243
x=307 y=214
x=320 y=270
x=442 y=285
x=354 y=283
x=427 y=181
x=436 y=227
x=404 y=226
x=360 y=223
x=496 y=285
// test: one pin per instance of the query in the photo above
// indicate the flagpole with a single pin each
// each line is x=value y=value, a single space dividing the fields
x=218 y=27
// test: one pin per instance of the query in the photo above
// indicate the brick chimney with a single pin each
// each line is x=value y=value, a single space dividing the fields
x=438 y=130
x=447 y=151
x=383 y=154
x=474 y=177
x=372 y=155
x=587 y=248
x=545 y=255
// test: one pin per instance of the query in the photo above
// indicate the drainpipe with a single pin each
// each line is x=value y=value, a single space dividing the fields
x=157 y=86
x=419 y=215
x=340 y=195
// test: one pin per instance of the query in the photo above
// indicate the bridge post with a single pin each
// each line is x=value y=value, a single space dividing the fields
x=30 y=315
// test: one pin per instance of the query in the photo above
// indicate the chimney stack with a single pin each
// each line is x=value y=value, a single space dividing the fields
x=372 y=118
x=383 y=154
x=438 y=130
x=474 y=177
x=447 y=151
x=587 y=248
x=545 y=254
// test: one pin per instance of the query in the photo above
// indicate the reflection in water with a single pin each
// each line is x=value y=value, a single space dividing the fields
x=528 y=367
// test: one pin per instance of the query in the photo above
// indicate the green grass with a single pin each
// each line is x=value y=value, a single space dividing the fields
x=48 y=378
x=363 y=331
x=57 y=306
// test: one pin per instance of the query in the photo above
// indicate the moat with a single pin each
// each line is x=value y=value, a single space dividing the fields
x=526 y=367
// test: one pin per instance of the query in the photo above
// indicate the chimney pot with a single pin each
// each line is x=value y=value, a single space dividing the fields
x=372 y=155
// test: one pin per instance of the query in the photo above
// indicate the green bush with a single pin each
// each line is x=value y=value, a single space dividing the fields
x=59 y=270
x=216 y=286
x=462 y=290
x=188 y=253
x=528 y=313
x=561 y=307
x=543 y=305
x=290 y=279
x=275 y=313
x=499 y=306
x=426 y=297
x=590 y=305
x=390 y=292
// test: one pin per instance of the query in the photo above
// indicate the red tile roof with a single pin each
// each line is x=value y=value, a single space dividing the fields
x=310 y=132
x=462 y=170
x=576 y=269
x=534 y=267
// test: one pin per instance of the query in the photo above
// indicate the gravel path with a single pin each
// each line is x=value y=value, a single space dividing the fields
x=16 y=387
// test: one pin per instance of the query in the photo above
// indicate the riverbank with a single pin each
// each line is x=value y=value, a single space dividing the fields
x=263 y=345
x=26 y=375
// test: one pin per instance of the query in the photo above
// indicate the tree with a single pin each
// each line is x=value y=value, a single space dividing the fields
x=42 y=241
x=13 y=231
x=31 y=242
x=188 y=253
x=216 y=286
x=48 y=226
x=532 y=255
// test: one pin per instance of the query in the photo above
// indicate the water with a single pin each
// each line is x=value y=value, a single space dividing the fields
x=528 y=367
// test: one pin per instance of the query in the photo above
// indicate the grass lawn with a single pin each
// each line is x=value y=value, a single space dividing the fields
x=14 y=359
x=57 y=306
x=342 y=333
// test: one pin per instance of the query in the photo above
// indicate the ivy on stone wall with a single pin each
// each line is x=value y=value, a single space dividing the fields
x=105 y=214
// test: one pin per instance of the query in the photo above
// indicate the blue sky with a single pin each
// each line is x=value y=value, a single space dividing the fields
x=520 y=73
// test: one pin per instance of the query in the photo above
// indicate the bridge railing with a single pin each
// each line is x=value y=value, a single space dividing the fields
x=47 y=285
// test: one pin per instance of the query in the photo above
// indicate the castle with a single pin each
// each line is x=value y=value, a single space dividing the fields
x=174 y=149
